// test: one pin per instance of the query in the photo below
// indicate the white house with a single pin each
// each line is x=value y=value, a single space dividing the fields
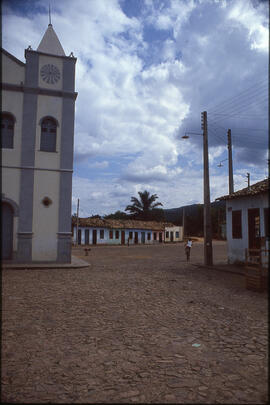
x=247 y=217
x=37 y=131
x=119 y=232
x=173 y=233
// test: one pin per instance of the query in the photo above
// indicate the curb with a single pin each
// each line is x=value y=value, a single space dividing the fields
x=219 y=269
x=76 y=263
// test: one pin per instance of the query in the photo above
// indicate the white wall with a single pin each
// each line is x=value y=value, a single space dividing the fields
x=113 y=241
x=236 y=247
x=12 y=72
x=45 y=219
x=12 y=102
x=11 y=190
x=174 y=229
x=51 y=106
x=58 y=62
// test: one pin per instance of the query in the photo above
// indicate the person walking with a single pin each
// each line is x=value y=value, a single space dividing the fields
x=188 y=249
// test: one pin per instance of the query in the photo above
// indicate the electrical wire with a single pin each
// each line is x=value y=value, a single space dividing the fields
x=247 y=92
x=236 y=110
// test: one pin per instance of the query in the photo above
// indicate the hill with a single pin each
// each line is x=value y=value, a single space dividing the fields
x=194 y=217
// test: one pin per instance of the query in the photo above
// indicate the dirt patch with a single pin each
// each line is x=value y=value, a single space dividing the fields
x=152 y=330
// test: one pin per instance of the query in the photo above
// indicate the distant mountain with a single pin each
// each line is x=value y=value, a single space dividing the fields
x=194 y=217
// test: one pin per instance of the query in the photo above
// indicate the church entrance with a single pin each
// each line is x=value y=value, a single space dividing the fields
x=7 y=231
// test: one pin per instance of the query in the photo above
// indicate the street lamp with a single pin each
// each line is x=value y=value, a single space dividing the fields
x=207 y=231
x=220 y=163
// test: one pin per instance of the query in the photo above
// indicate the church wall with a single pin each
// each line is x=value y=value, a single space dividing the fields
x=25 y=232
x=10 y=189
x=12 y=72
x=12 y=102
x=45 y=219
x=45 y=60
x=51 y=106
x=11 y=184
x=40 y=232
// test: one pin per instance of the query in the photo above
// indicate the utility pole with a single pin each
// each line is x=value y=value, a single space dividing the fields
x=183 y=222
x=248 y=179
x=77 y=227
x=231 y=189
x=208 y=251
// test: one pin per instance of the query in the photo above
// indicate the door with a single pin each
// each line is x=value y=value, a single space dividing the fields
x=160 y=237
x=87 y=236
x=254 y=240
x=122 y=237
x=171 y=238
x=7 y=231
x=143 y=237
x=79 y=237
x=136 y=238
x=94 y=236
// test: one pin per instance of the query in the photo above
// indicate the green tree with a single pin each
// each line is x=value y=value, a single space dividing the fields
x=143 y=207
x=117 y=215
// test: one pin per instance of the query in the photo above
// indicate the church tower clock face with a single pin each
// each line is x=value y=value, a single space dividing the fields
x=50 y=73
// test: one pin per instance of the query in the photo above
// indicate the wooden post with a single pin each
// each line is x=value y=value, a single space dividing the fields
x=231 y=189
x=77 y=227
x=248 y=179
x=208 y=251
x=183 y=223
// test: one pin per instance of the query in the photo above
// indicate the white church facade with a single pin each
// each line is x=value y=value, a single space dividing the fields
x=37 y=133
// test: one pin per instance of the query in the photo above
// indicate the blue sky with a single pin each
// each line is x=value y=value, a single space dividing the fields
x=146 y=69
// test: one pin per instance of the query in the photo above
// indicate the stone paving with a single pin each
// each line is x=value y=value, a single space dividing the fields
x=140 y=325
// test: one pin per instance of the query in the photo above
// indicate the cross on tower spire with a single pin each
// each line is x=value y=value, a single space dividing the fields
x=50 y=20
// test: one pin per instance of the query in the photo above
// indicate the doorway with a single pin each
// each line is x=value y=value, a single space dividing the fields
x=7 y=231
x=122 y=237
x=79 y=237
x=136 y=238
x=254 y=240
x=160 y=237
x=143 y=237
x=94 y=236
x=171 y=236
x=86 y=237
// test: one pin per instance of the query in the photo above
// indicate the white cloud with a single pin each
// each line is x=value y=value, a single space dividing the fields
x=255 y=20
x=99 y=165
x=132 y=106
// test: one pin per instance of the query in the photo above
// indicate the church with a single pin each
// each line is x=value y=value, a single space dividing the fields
x=37 y=136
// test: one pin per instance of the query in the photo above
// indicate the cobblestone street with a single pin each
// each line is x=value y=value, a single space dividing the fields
x=139 y=325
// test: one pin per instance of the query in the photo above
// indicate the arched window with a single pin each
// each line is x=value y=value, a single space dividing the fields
x=7 y=130
x=48 y=134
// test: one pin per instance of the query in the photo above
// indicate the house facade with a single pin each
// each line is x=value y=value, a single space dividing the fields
x=247 y=218
x=37 y=131
x=96 y=231
x=173 y=233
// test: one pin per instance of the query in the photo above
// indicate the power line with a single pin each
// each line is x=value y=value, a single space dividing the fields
x=216 y=135
x=245 y=116
x=236 y=109
x=213 y=123
x=241 y=137
x=245 y=93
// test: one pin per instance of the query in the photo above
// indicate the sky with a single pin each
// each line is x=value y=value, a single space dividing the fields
x=145 y=71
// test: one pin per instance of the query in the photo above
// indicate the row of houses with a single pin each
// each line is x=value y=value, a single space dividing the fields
x=98 y=231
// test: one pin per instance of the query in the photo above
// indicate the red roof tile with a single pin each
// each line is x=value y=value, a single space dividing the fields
x=254 y=189
x=121 y=224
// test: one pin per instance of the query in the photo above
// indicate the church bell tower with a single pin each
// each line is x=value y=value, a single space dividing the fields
x=44 y=223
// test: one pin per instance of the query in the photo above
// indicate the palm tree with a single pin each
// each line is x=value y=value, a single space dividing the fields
x=142 y=207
